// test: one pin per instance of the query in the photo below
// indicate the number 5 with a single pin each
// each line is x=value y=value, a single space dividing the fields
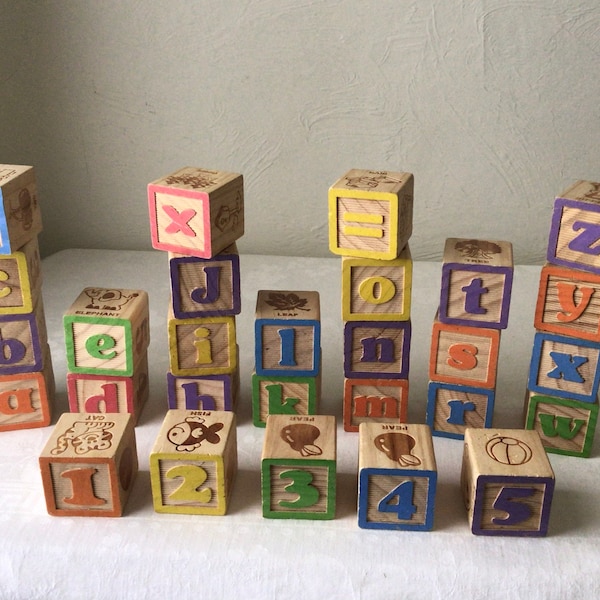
x=507 y=501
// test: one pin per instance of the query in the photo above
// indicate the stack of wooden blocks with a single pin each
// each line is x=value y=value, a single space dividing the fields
x=474 y=307
x=370 y=223
x=26 y=375
x=562 y=391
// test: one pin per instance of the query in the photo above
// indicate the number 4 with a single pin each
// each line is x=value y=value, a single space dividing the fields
x=399 y=501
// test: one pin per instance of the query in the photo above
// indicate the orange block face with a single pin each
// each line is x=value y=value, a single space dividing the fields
x=25 y=400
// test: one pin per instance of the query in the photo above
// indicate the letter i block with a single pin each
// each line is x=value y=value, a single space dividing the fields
x=20 y=215
x=89 y=465
x=370 y=214
x=575 y=228
x=464 y=355
x=287 y=334
x=565 y=426
x=397 y=477
x=194 y=462
x=20 y=279
x=507 y=482
x=298 y=467
x=377 y=290
x=565 y=367
x=205 y=287
x=453 y=408
x=107 y=331
x=196 y=211
x=381 y=400
x=476 y=283
x=203 y=392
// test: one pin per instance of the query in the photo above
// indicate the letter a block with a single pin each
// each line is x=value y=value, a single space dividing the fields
x=298 y=467
x=370 y=214
x=196 y=211
x=89 y=464
x=507 y=482
x=194 y=462
x=397 y=477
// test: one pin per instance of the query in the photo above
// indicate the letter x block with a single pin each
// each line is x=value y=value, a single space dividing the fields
x=89 y=464
x=507 y=482
x=196 y=211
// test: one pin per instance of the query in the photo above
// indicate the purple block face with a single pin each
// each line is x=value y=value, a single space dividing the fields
x=210 y=392
x=20 y=344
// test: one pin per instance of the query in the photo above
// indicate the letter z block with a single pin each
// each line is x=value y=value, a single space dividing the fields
x=89 y=465
x=507 y=482
x=196 y=211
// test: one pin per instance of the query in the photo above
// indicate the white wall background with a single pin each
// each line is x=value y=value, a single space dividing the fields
x=492 y=104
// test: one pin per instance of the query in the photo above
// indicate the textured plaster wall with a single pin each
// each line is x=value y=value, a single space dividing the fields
x=492 y=104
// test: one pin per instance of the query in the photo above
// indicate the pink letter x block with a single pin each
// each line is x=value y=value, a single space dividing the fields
x=196 y=212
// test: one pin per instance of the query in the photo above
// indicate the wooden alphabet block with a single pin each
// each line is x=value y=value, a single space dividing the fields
x=287 y=334
x=196 y=211
x=203 y=392
x=377 y=349
x=453 y=408
x=377 y=290
x=568 y=303
x=507 y=482
x=575 y=228
x=298 y=467
x=565 y=367
x=397 y=477
x=205 y=287
x=89 y=465
x=20 y=279
x=380 y=400
x=194 y=462
x=370 y=214
x=107 y=331
x=20 y=215
x=565 y=426
x=464 y=355
x=476 y=283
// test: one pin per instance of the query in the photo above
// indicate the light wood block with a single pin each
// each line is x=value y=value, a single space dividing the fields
x=20 y=215
x=370 y=213
x=287 y=333
x=397 y=477
x=507 y=482
x=194 y=462
x=89 y=465
x=377 y=290
x=564 y=367
x=298 y=467
x=565 y=426
x=380 y=400
x=203 y=392
x=453 y=408
x=477 y=280
x=205 y=287
x=575 y=228
x=20 y=279
x=195 y=211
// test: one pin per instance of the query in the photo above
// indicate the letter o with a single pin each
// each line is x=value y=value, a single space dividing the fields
x=377 y=290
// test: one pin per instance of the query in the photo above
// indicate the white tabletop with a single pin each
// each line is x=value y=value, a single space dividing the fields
x=243 y=555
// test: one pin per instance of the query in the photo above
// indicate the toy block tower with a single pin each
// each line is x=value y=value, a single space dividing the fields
x=107 y=333
x=561 y=402
x=196 y=215
x=26 y=375
x=474 y=306
x=370 y=223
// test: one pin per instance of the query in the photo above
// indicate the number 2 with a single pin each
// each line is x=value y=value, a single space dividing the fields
x=189 y=490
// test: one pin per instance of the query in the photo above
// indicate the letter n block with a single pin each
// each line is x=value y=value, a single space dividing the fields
x=565 y=426
x=89 y=464
x=203 y=392
x=196 y=211
x=370 y=214
x=298 y=467
x=20 y=279
x=397 y=477
x=507 y=482
x=194 y=462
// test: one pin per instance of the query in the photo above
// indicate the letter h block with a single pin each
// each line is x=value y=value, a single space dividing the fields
x=89 y=464
x=203 y=392
x=397 y=477
x=507 y=482
x=196 y=212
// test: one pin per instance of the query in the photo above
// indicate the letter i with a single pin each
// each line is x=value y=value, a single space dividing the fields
x=203 y=346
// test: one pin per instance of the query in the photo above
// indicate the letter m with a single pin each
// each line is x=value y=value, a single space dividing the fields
x=376 y=407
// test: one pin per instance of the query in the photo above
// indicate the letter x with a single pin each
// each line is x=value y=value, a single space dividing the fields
x=180 y=220
x=566 y=367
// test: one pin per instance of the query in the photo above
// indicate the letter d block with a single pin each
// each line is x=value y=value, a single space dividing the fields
x=193 y=462
x=397 y=477
x=507 y=482
x=89 y=464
